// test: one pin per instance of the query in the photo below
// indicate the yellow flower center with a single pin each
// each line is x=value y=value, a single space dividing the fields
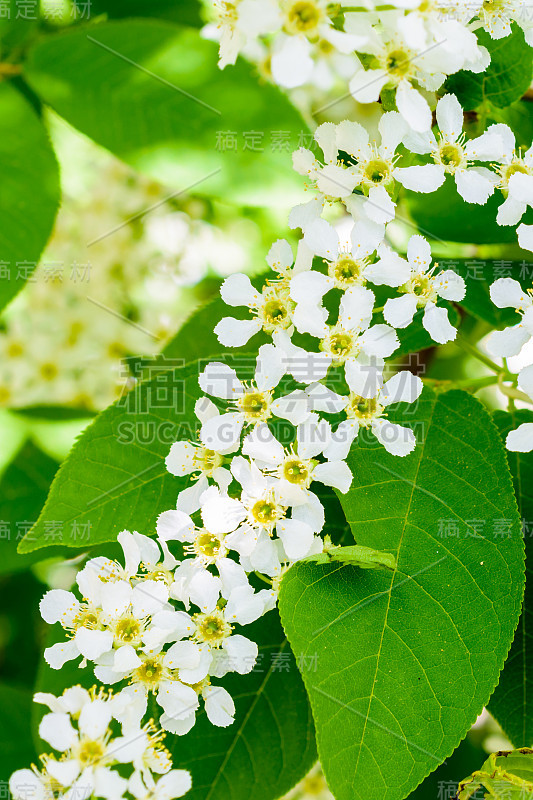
x=207 y=460
x=209 y=546
x=128 y=630
x=90 y=752
x=363 y=409
x=303 y=17
x=255 y=405
x=151 y=672
x=377 y=171
x=346 y=271
x=277 y=307
x=398 y=63
x=212 y=628
x=340 y=344
x=452 y=156
x=421 y=286
x=296 y=471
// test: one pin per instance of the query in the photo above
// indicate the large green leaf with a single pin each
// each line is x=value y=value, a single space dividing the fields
x=152 y=93
x=505 y=80
x=406 y=662
x=29 y=190
x=115 y=476
x=23 y=490
x=512 y=702
x=16 y=746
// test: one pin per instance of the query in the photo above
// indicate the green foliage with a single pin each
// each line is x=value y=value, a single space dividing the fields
x=29 y=190
x=479 y=275
x=505 y=776
x=407 y=661
x=16 y=747
x=186 y=12
x=152 y=93
x=115 y=476
x=23 y=490
x=505 y=80
x=196 y=339
x=449 y=218
x=512 y=702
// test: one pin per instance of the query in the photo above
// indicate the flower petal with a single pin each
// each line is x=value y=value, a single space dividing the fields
x=437 y=324
x=396 y=439
x=237 y=290
x=232 y=332
x=521 y=439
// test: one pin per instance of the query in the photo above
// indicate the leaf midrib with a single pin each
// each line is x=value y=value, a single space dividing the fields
x=393 y=578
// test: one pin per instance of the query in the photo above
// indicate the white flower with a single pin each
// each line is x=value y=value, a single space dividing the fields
x=454 y=155
x=352 y=341
x=203 y=463
x=305 y=22
x=399 y=65
x=265 y=515
x=370 y=412
x=422 y=291
x=507 y=293
x=294 y=470
x=220 y=515
x=374 y=169
x=271 y=307
x=345 y=268
x=112 y=622
x=88 y=748
x=253 y=404
x=497 y=18
x=516 y=177
x=219 y=708
x=429 y=25
x=242 y=20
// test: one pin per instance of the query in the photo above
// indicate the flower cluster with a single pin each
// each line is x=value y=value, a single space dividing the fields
x=405 y=52
x=163 y=628
x=92 y=732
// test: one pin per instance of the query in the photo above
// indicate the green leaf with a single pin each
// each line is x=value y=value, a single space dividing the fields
x=263 y=754
x=29 y=190
x=196 y=339
x=356 y=556
x=15 y=29
x=479 y=275
x=186 y=12
x=449 y=218
x=505 y=776
x=505 y=80
x=512 y=702
x=407 y=661
x=442 y=784
x=115 y=476
x=519 y=117
x=16 y=746
x=23 y=490
x=152 y=93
